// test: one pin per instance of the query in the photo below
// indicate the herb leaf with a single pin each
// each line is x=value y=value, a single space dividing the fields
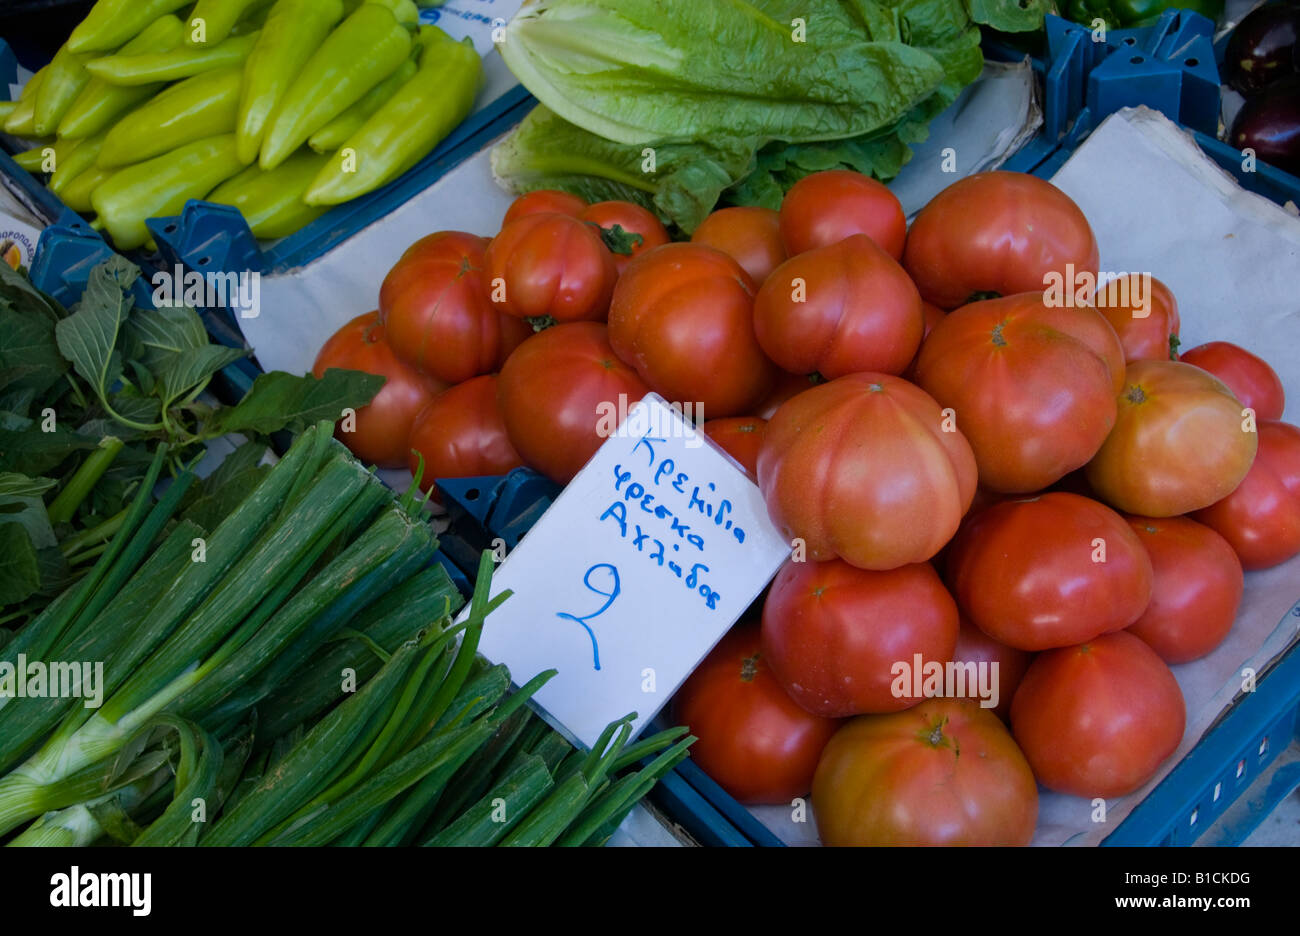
x=192 y=367
x=282 y=401
x=88 y=337
x=20 y=576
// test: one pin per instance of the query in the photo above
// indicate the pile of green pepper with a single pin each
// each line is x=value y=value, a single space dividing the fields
x=281 y=108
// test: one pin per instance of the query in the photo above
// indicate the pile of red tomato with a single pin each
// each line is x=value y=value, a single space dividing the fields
x=969 y=469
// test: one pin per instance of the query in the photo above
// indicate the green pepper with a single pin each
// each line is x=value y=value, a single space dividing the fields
x=407 y=128
x=65 y=80
x=77 y=160
x=198 y=107
x=271 y=202
x=333 y=135
x=113 y=23
x=77 y=194
x=174 y=65
x=404 y=11
x=162 y=186
x=365 y=49
x=101 y=103
x=294 y=30
x=212 y=20
x=22 y=121
x=1124 y=14
x=45 y=159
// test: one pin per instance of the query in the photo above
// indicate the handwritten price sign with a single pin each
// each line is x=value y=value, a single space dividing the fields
x=640 y=566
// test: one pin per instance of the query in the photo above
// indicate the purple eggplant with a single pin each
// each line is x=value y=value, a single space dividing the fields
x=1262 y=49
x=1269 y=123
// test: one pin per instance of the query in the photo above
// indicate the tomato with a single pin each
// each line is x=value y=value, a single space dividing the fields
x=753 y=740
x=461 y=434
x=1049 y=571
x=834 y=635
x=826 y=207
x=1250 y=378
x=749 y=235
x=380 y=430
x=944 y=773
x=931 y=315
x=998 y=232
x=552 y=265
x=683 y=316
x=633 y=220
x=1145 y=318
x=740 y=437
x=557 y=394
x=1180 y=442
x=548 y=201
x=838 y=310
x=1196 y=589
x=1032 y=386
x=1261 y=518
x=975 y=646
x=863 y=468
x=436 y=312
x=787 y=385
x=1098 y=719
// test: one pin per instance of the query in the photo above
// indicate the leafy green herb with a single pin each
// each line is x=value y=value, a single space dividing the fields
x=87 y=396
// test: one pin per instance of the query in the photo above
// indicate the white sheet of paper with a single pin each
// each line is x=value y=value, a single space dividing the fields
x=640 y=566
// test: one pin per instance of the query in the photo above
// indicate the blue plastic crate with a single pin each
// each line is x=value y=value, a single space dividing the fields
x=215 y=238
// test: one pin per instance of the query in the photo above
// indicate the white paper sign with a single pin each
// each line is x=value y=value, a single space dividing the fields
x=640 y=566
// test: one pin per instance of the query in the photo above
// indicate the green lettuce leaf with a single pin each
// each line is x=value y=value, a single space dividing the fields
x=641 y=71
x=679 y=181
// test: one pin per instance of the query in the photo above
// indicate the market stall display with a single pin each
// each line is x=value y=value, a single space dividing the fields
x=1014 y=499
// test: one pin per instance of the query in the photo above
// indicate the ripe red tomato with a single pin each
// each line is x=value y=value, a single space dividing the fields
x=975 y=646
x=544 y=201
x=1250 y=378
x=1098 y=719
x=999 y=232
x=840 y=309
x=943 y=773
x=552 y=265
x=435 y=309
x=634 y=220
x=1261 y=518
x=749 y=235
x=381 y=429
x=1147 y=325
x=864 y=468
x=683 y=316
x=753 y=740
x=1049 y=571
x=1180 y=442
x=826 y=207
x=834 y=635
x=1196 y=589
x=558 y=390
x=461 y=434
x=1033 y=386
x=740 y=437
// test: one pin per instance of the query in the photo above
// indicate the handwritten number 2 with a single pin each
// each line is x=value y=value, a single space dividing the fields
x=609 y=595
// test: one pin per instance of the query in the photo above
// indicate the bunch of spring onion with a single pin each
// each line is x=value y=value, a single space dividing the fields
x=227 y=716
